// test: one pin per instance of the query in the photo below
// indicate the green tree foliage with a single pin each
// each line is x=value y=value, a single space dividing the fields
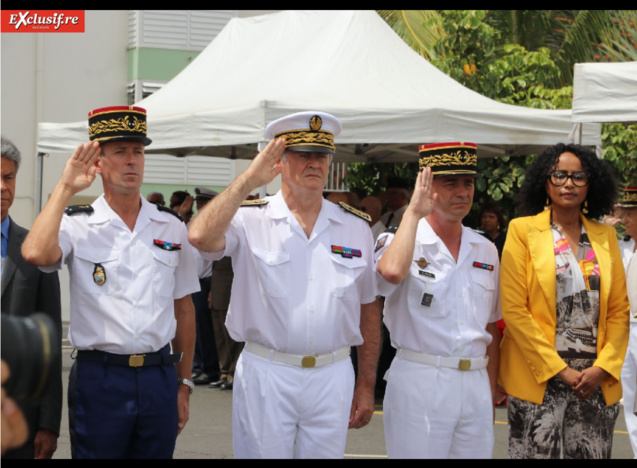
x=572 y=36
x=619 y=143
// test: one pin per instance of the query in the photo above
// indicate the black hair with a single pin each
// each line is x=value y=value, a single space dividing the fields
x=602 y=185
x=493 y=207
x=181 y=196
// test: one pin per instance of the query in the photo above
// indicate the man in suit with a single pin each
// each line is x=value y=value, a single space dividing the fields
x=26 y=290
x=397 y=195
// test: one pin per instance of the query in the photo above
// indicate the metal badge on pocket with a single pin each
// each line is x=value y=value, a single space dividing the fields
x=99 y=274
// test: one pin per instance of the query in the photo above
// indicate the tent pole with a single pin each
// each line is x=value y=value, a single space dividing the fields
x=38 y=183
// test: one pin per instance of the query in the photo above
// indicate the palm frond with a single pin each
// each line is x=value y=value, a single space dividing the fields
x=420 y=29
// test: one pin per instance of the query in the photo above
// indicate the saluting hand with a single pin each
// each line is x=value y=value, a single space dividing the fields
x=265 y=166
x=80 y=170
x=422 y=200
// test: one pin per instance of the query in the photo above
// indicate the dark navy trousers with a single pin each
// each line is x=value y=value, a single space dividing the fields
x=122 y=412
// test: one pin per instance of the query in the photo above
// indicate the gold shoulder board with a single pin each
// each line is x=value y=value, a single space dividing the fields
x=258 y=202
x=353 y=210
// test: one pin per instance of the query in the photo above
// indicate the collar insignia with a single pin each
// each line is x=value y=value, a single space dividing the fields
x=381 y=242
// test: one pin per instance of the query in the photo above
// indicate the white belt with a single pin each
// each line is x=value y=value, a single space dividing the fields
x=318 y=360
x=463 y=364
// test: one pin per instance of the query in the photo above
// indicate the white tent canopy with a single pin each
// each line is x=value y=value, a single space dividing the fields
x=605 y=92
x=348 y=63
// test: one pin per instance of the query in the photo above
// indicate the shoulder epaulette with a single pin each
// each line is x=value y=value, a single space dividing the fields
x=257 y=202
x=392 y=229
x=74 y=209
x=353 y=210
x=171 y=211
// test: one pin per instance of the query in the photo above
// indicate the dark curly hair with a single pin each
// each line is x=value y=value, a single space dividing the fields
x=493 y=207
x=602 y=185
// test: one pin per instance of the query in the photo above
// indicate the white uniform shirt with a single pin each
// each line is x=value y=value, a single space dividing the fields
x=631 y=283
x=133 y=310
x=292 y=293
x=462 y=298
x=627 y=248
x=629 y=257
x=204 y=267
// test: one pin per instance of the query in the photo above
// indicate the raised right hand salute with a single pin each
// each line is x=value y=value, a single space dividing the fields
x=207 y=231
x=394 y=264
x=41 y=247
x=80 y=170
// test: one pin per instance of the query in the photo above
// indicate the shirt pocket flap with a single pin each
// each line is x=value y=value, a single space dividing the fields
x=272 y=258
x=485 y=278
x=96 y=255
x=349 y=262
x=169 y=258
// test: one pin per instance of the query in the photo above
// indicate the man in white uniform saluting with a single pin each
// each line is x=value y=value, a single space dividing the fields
x=303 y=294
x=440 y=280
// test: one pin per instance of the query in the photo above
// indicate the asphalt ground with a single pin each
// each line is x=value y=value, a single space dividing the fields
x=208 y=433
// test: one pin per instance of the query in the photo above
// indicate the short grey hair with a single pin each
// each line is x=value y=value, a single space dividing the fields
x=10 y=151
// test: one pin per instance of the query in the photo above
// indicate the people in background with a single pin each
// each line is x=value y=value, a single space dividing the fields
x=156 y=198
x=628 y=209
x=492 y=222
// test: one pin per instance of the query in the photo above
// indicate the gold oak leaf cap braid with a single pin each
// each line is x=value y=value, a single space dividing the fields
x=456 y=158
x=118 y=123
x=311 y=131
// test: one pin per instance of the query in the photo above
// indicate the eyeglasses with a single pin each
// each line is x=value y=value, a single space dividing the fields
x=559 y=178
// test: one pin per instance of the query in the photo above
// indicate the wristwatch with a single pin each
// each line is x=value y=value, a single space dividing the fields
x=190 y=384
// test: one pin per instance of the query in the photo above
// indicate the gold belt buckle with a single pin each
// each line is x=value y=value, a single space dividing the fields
x=464 y=364
x=308 y=361
x=136 y=360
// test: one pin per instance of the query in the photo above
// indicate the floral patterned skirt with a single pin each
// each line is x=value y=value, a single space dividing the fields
x=562 y=426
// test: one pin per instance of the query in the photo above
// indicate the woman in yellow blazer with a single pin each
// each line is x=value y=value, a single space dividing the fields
x=563 y=298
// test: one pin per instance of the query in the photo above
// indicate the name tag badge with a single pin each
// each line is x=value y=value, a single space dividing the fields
x=427 y=274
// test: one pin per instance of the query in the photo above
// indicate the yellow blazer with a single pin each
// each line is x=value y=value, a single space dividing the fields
x=528 y=358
